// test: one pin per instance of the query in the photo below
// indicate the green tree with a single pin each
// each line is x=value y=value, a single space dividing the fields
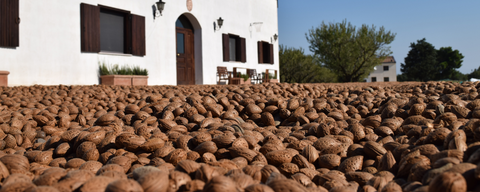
x=457 y=75
x=449 y=60
x=420 y=63
x=350 y=53
x=474 y=74
x=425 y=63
x=296 y=67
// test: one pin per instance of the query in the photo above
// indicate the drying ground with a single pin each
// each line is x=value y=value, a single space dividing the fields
x=268 y=137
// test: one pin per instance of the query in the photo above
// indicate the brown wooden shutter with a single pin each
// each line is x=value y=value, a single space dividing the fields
x=226 y=48
x=260 y=52
x=243 y=50
x=90 y=27
x=238 y=49
x=127 y=46
x=138 y=35
x=271 y=53
x=9 y=23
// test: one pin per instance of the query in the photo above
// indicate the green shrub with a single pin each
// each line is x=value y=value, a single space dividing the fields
x=272 y=76
x=244 y=76
x=139 y=71
x=105 y=69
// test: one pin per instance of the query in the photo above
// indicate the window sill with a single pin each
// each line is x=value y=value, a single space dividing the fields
x=115 y=54
x=266 y=64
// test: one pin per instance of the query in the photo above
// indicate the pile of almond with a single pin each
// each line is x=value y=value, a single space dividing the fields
x=253 y=138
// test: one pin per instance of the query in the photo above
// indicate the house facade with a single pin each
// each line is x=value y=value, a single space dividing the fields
x=386 y=72
x=63 y=42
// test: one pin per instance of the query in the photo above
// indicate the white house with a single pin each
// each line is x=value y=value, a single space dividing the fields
x=53 y=42
x=385 y=72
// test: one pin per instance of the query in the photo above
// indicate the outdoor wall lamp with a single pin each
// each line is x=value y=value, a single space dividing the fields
x=220 y=22
x=275 y=37
x=160 y=6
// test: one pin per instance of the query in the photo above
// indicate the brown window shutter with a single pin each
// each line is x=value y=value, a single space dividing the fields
x=243 y=50
x=90 y=28
x=138 y=35
x=238 y=49
x=260 y=52
x=271 y=53
x=9 y=23
x=226 y=47
x=127 y=46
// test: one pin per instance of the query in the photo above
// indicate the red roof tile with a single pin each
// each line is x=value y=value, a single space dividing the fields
x=389 y=59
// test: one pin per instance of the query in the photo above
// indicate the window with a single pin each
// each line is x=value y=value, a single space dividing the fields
x=183 y=22
x=111 y=30
x=112 y=34
x=385 y=68
x=9 y=23
x=386 y=79
x=265 y=52
x=374 y=79
x=234 y=48
x=180 y=43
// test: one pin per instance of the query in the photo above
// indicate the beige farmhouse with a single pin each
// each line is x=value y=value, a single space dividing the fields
x=386 y=72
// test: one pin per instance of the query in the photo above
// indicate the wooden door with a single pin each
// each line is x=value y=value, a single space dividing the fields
x=185 y=57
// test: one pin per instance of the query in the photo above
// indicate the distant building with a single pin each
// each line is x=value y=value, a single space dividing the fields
x=386 y=72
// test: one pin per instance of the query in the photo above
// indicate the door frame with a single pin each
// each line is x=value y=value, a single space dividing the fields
x=198 y=48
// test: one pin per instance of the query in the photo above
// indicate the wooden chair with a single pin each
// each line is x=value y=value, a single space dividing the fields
x=223 y=74
x=254 y=76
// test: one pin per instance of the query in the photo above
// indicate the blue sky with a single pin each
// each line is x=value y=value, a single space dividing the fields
x=443 y=23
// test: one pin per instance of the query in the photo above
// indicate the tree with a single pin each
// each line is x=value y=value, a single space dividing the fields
x=475 y=74
x=296 y=67
x=350 y=53
x=420 y=63
x=449 y=60
x=424 y=63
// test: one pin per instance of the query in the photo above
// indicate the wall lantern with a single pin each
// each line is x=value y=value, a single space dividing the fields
x=275 y=37
x=220 y=22
x=160 y=6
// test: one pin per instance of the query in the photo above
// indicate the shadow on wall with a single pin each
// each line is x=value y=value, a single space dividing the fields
x=154 y=11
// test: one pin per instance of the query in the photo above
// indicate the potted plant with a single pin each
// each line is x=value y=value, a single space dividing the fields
x=240 y=79
x=246 y=79
x=272 y=78
x=122 y=75
x=269 y=78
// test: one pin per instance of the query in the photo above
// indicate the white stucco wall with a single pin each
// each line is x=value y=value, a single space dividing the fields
x=379 y=73
x=49 y=51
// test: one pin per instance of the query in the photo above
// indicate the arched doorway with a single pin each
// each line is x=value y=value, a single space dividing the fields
x=185 y=51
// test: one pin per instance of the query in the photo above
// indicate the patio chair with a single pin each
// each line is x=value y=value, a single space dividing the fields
x=223 y=74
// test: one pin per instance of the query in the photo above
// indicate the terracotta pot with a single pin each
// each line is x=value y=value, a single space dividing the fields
x=4 y=78
x=270 y=80
x=124 y=80
x=274 y=81
x=236 y=81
